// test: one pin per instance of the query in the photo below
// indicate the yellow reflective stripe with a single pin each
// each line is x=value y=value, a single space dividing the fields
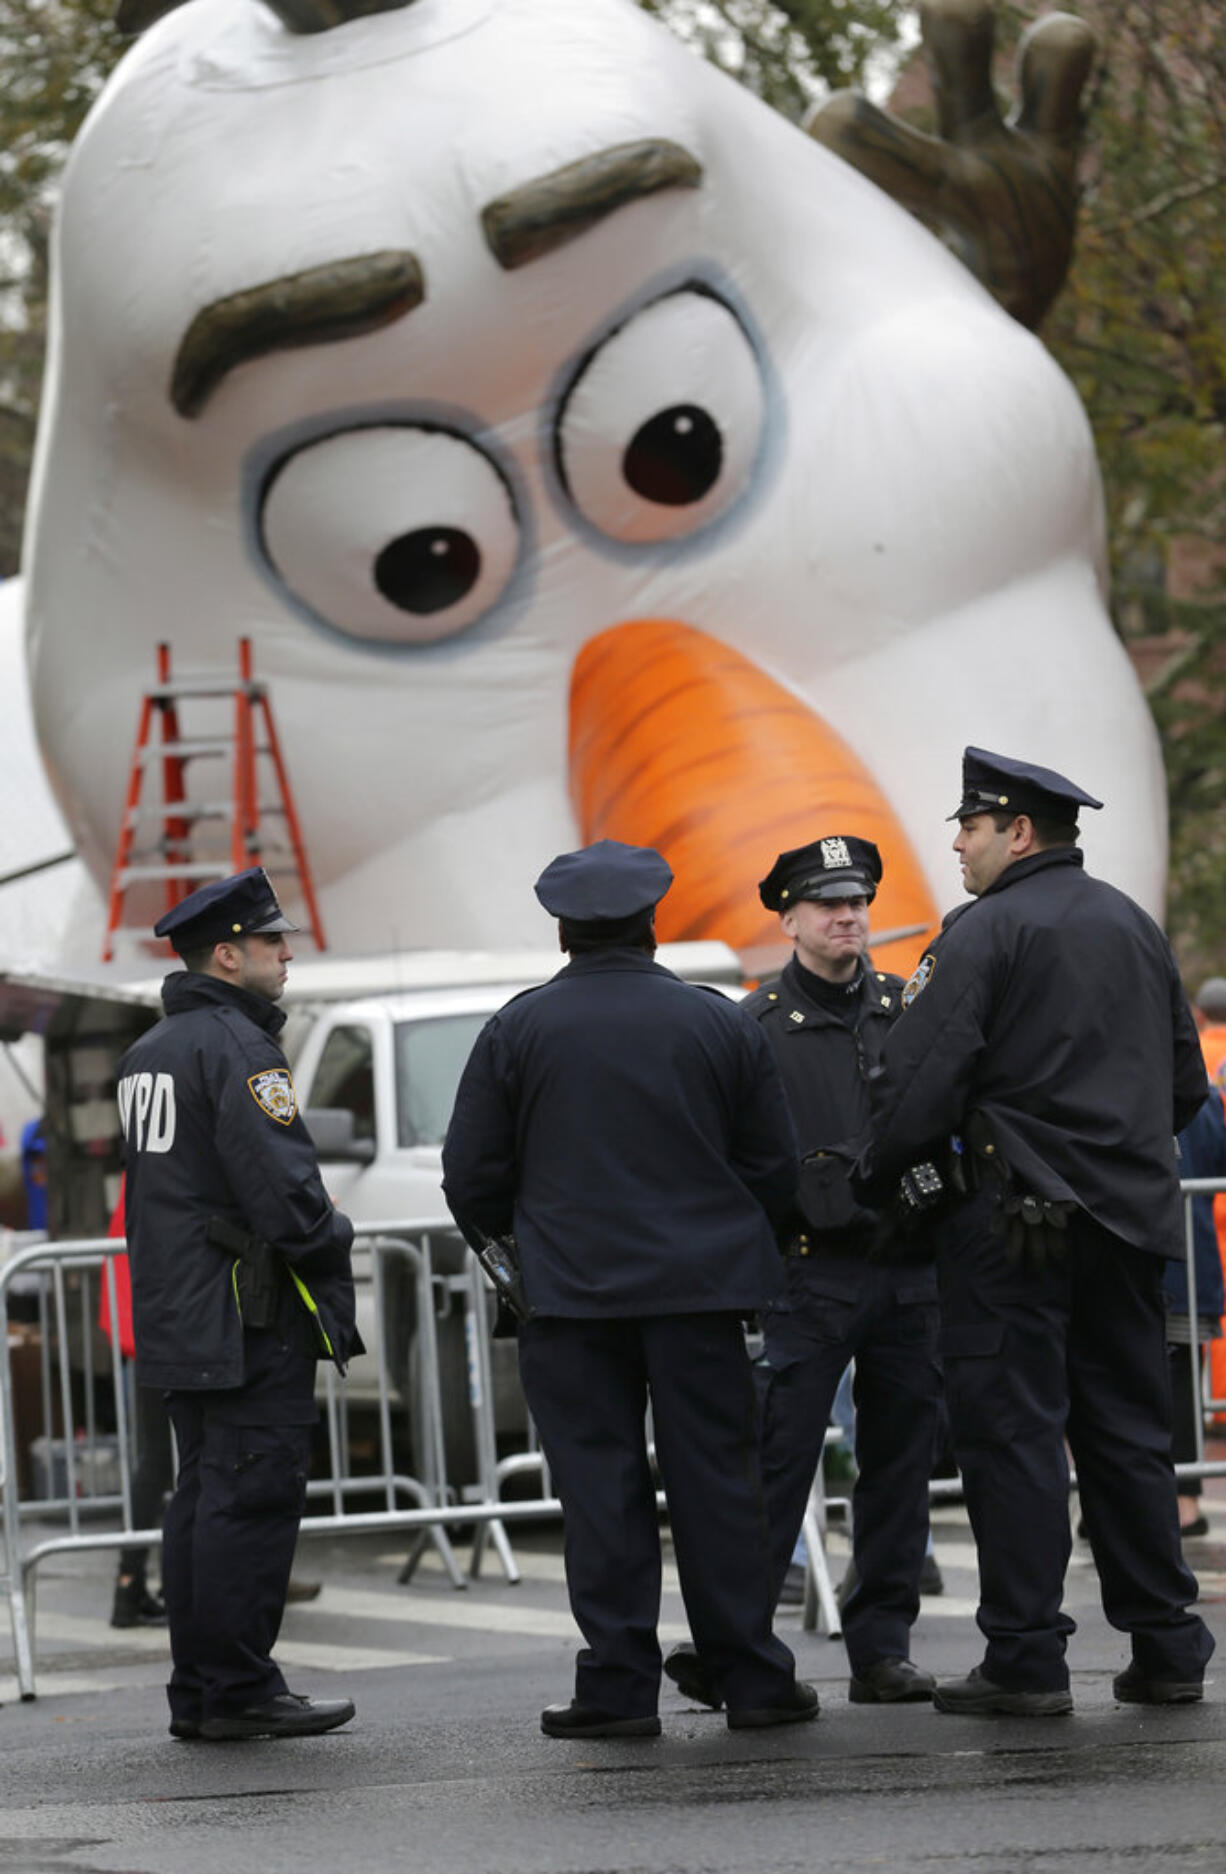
x=238 y=1300
x=308 y=1302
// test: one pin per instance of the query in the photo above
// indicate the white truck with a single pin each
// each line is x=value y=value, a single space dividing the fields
x=377 y=1045
x=386 y=1066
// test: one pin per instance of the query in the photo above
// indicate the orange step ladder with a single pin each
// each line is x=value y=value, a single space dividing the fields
x=172 y=859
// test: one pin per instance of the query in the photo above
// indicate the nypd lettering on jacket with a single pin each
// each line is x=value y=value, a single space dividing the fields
x=147 y=1111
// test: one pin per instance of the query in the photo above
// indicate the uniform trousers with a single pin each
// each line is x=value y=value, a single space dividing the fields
x=153 y=1475
x=231 y=1528
x=1072 y=1349
x=587 y=1384
x=886 y=1319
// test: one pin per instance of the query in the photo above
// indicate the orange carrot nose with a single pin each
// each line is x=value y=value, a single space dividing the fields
x=679 y=742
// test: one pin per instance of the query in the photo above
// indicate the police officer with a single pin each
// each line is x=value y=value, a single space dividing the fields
x=632 y=1131
x=220 y=1166
x=858 y=1285
x=1047 y=1030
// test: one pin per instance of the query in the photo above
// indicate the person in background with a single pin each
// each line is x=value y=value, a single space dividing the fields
x=34 y=1172
x=133 y=1604
x=1202 y=1154
x=1209 y=1008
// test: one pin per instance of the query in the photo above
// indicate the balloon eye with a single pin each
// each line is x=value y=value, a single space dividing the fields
x=675 y=457
x=660 y=430
x=393 y=534
x=429 y=569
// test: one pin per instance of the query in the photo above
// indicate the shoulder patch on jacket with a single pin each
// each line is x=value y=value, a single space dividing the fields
x=920 y=979
x=273 y=1092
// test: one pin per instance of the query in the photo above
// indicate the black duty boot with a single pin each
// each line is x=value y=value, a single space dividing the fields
x=1134 y=1687
x=891 y=1682
x=799 y=1706
x=690 y=1676
x=289 y=1714
x=580 y=1720
x=980 y=1697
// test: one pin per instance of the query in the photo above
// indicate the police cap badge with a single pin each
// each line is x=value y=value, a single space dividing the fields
x=840 y=866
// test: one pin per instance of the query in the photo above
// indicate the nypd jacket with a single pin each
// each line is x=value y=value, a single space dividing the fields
x=632 y=1131
x=1051 y=1006
x=212 y=1129
x=826 y=1064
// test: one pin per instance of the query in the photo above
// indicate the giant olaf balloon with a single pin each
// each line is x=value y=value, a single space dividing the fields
x=585 y=451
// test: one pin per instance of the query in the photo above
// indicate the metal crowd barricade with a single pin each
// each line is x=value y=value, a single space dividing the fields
x=83 y=1381
x=820 y=1605
x=1198 y=1370
x=97 y=1466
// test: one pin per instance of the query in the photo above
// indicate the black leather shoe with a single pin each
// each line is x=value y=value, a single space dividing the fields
x=1199 y=1526
x=977 y=1697
x=690 y=1676
x=576 y=1720
x=891 y=1682
x=800 y=1706
x=287 y=1715
x=184 y=1727
x=1134 y=1687
x=134 y=1606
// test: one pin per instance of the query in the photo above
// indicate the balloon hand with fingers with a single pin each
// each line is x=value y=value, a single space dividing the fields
x=1002 y=195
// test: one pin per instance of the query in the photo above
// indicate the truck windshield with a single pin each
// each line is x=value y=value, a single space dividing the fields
x=430 y=1057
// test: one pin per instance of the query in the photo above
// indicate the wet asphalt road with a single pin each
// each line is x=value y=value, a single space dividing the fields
x=445 y=1767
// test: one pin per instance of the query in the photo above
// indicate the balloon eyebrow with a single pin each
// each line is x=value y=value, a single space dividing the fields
x=551 y=210
x=344 y=299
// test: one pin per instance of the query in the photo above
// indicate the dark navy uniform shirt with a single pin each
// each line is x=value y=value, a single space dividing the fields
x=1052 y=1006
x=825 y=1054
x=212 y=1129
x=633 y=1132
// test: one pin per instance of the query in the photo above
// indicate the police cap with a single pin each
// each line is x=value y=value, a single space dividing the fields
x=991 y=782
x=244 y=905
x=603 y=883
x=841 y=866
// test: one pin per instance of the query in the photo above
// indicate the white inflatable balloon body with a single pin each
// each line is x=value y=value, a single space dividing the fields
x=432 y=350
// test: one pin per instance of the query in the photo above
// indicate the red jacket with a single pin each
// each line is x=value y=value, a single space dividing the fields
x=123 y=1287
